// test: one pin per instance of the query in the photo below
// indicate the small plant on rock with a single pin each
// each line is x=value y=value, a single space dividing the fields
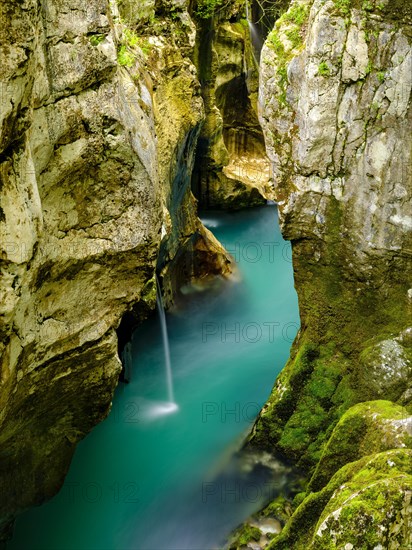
x=323 y=69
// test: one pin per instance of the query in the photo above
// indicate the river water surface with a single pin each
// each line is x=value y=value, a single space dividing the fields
x=146 y=481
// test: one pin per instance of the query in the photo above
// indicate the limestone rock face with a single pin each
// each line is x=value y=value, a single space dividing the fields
x=342 y=131
x=232 y=169
x=335 y=106
x=88 y=155
x=336 y=109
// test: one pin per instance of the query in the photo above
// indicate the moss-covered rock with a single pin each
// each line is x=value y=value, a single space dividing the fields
x=244 y=535
x=335 y=98
x=366 y=504
x=333 y=183
x=371 y=508
x=364 y=429
x=280 y=509
x=309 y=395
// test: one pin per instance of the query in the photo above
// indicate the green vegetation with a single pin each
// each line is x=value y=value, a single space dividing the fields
x=381 y=77
x=244 y=23
x=293 y=21
x=280 y=508
x=364 y=429
x=319 y=382
x=206 y=8
x=246 y=533
x=291 y=24
x=126 y=54
x=370 y=492
x=96 y=39
x=125 y=58
x=130 y=38
x=174 y=14
x=323 y=69
x=344 y=6
x=367 y=5
x=275 y=42
x=309 y=397
x=369 y=68
x=295 y=37
x=374 y=496
x=298 y=14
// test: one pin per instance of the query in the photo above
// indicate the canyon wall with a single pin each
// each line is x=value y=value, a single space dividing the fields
x=336 y=110
x=232 y=170
x=98 y=125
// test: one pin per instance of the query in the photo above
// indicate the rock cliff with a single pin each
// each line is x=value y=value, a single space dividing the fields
x=336 y=110
x=232 y=169
x=98 y=125
x=102 y=107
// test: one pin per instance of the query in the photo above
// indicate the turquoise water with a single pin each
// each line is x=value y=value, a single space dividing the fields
x=146 y=481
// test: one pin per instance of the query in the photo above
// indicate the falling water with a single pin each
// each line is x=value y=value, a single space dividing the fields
x=175 y=470
x=165 y=337
x=255 y=37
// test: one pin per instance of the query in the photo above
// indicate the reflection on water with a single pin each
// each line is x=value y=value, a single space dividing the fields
x=153 y=478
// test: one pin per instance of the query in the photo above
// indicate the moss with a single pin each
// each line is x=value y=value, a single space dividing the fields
x=369 y=506
x=343 y=6
x=291 y=22
x=310 y=395
x=246 y=533
x=280 y=508
x=298 y=14
x=127 y=51
x=364 y=429
x=125 y=57
x=96 y=39
x=298 y=531
x=367 y=5
x=295 y=37
x=381 y=77
x=205 y=9
x=299 y=498
x=274 y=41
x=149 y=292
x=323 y=69
x=385 y=473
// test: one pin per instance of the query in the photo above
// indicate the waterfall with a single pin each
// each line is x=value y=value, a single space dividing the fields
x=255 y=38
x=166 y=349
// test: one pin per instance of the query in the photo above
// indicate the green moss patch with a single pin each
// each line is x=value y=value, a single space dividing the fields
x=246 y=533
x=364 y=502
x=364 y=429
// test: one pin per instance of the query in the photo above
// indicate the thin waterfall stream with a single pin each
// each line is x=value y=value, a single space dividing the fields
x=171 y=405
x=255 y=37
x=146 y=480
